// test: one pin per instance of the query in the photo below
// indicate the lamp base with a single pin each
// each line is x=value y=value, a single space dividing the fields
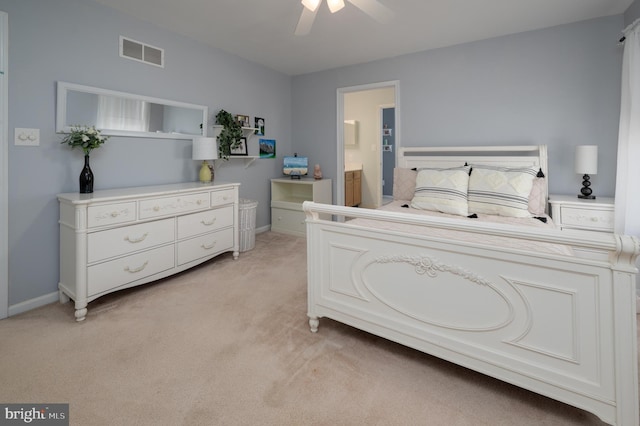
x=585 y=191
x=206 y=176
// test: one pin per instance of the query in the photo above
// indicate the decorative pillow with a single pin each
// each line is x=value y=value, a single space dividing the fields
x=537 y=199
x=404 y=183
x=442 y=190
x=500 y=191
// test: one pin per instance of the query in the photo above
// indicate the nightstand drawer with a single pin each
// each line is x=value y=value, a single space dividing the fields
x=288 y=220
x=597 y=220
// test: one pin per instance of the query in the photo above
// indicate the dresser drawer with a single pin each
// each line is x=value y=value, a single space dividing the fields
x=219 y=198
x=205 y=245
x=110 y=275
x=600 y=220
x=199 y=223
x=128 y=239
x=288 y=220
x=111 y=214
x=157 y=207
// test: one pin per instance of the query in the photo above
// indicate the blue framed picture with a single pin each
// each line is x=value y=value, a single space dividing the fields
x=267 y=148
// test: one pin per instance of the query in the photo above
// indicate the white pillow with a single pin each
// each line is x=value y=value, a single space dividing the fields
x=442 y=190
x=500 y=191
x=404 y=183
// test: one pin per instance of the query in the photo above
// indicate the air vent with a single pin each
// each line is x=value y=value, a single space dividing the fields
x=132 y=49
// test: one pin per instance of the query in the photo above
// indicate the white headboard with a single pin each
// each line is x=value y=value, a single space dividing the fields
x=455 y=156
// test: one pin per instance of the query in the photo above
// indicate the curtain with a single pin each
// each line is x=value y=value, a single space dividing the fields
x=627 y=204
x=122 y=114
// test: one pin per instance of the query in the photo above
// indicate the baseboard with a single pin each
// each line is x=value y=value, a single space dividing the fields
x=263 y=229
x=30 y=304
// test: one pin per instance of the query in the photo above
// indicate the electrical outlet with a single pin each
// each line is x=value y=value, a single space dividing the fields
x=27 y=137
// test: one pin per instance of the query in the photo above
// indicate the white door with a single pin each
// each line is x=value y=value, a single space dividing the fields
x=4 y=174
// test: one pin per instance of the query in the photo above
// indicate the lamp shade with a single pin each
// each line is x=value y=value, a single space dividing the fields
x=586 y=161
x=204 y=149
x=335 y=5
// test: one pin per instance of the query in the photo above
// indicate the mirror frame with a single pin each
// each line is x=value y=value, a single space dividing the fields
x=61 y=111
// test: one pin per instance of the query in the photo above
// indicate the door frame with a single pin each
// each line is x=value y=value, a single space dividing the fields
x=341 y=92
x=4 y=165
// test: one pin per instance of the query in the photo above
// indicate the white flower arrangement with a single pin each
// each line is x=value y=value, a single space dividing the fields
x=85 y=137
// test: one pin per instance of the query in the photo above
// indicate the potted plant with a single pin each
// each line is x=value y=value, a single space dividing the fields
x=87 y=138
x=229 y=137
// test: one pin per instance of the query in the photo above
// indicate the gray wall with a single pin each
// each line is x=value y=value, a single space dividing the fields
x=77 y=41
x=632 y=13
x=558 y=86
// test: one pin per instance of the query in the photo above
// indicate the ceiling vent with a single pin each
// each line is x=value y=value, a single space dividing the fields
x=141 y=52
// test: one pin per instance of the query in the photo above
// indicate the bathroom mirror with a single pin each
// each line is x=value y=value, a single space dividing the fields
x=126 y=114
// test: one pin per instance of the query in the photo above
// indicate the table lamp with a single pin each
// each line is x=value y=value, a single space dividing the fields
x=586 y=163
x=205 y=149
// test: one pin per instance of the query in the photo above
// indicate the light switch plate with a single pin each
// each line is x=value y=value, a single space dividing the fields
x=27 y=137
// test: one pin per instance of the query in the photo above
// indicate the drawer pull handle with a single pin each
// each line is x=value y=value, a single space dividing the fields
x=156 y=208
x=136 y=240
x=138 y=269
x=210 y=246
x=115 y=214
x=199 y=202
x=594 y=219
x=208 y=223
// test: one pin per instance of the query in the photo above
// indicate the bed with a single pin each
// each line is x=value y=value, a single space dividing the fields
x=547 y=310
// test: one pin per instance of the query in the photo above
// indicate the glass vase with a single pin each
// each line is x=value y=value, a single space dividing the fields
x=86 y=177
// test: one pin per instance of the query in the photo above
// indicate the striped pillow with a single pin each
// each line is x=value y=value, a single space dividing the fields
x=442 y=190
x=500 y=191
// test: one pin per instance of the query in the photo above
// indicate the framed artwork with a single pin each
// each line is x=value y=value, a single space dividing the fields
x=243 y=120
x=259 y=125
x=241 y=148
x=267 y=148
x=386 y=132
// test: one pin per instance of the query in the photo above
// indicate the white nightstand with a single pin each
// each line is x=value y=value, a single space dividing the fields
x=571 y=212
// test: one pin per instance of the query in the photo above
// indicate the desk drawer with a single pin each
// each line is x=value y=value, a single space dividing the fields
x=157 y=207
x=111 y=214
x=110 y=275
x=200 y=223
x=205 y=245
x=128 y=239
x=599 y=220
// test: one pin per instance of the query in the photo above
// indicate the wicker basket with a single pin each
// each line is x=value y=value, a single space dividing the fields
x=247 y=209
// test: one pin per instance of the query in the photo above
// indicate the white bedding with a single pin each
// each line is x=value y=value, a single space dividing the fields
x=527 y=245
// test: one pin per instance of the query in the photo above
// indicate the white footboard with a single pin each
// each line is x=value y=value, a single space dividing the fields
x=559 y=325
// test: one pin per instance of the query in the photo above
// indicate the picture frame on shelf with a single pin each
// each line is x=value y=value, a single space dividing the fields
x=259 y=126
x=241 y=148
x=243 y=120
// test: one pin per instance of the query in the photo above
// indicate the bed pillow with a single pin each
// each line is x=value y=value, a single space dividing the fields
x=537 y=198
x=500 y=191
x=404 y=183
x=442 y=190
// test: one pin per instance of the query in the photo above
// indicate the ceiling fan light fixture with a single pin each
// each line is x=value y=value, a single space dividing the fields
x=335 y=5
x=312 y=5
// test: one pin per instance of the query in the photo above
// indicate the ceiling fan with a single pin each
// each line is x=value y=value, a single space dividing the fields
x=373 y=8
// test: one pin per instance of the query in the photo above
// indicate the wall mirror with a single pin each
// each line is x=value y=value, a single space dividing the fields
x=126 y=114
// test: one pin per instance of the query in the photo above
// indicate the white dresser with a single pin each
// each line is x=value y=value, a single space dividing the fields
x=119 y=238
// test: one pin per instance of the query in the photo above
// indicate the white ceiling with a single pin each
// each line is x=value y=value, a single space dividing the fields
x=262 y=30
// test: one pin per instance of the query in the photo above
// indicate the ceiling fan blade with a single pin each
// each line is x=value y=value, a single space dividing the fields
x=305 y=22
x=375 y=9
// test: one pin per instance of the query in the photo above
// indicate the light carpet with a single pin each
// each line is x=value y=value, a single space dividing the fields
x=228 y=343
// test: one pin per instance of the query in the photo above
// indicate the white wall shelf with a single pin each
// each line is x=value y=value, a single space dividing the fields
x=253 y=148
